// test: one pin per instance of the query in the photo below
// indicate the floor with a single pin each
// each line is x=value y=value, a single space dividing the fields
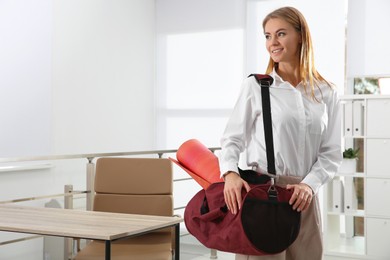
x=191 y=249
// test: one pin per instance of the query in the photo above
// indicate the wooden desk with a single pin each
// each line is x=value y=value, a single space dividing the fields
x=83 y=224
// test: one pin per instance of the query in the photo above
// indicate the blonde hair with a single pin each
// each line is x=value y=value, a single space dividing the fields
x=308 y=73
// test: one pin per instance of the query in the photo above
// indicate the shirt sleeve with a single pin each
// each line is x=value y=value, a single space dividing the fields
x=330 y=156
x=237 y=129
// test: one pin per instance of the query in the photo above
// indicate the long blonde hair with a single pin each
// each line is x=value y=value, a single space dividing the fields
x=308 y=73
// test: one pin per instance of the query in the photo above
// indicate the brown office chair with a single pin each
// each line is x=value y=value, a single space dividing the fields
x=136 y=186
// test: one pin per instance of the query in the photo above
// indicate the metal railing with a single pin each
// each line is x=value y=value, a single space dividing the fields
x=69 y=193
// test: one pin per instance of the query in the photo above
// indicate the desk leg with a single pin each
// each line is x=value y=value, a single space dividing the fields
x=108 y=250
x=177 y=241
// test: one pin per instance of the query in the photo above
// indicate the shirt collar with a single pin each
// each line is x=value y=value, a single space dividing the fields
x=279 y=82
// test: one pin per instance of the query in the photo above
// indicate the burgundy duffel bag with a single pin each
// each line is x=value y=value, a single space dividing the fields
x=266 y=223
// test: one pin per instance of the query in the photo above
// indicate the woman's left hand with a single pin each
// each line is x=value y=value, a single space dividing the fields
x=301 y=197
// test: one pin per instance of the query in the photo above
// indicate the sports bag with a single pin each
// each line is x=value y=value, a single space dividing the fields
x=266 y=223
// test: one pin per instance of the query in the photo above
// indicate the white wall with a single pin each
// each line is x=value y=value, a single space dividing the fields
x=25 y=77
x=103 y=76
x=368 y=40
x=25 y=100
x=75 y=77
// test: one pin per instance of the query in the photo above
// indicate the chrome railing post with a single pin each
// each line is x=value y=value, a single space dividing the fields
x=68 y=198
x=68 y=204
x=213 y=254
x=90 y=183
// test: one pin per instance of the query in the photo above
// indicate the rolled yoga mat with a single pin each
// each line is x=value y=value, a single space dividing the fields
x=199 y=162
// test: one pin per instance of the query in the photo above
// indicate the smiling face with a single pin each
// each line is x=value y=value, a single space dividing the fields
x=282 y=41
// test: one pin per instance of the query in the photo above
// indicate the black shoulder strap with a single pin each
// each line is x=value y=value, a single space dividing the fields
x=265 y=81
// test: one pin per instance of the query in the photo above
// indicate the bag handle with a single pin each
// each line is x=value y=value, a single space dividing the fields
x=213 y=215
x=265 y=81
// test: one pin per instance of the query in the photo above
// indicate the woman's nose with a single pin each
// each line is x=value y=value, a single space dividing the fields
x=274 y=41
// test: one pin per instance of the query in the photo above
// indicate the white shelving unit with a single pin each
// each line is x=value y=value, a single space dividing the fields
x=357 y=214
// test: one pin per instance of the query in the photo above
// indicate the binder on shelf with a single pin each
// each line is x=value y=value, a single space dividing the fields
x=338 y=194
x=357 y=120
x=350 y=195
x=349 y=227
x=348 y=117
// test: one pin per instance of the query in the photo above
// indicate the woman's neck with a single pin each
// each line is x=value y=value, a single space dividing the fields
x=290 y=73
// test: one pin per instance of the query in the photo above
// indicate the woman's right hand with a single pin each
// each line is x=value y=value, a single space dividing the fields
x=232 y=191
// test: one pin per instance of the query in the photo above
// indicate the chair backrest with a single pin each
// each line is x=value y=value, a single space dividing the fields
x=134 y=185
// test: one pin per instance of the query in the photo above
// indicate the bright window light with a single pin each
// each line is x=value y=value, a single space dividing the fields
x=206 y=130
x=204 y=70
x=384 y=85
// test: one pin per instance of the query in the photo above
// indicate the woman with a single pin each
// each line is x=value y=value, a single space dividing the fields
x=306 y=129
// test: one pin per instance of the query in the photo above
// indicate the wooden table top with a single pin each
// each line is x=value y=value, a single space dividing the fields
x=78 y=223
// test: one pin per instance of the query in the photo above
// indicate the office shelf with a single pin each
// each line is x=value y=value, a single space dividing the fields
x=357 y=203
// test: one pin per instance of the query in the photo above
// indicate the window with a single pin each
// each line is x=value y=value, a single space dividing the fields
x=202 y=74
x=372 y=85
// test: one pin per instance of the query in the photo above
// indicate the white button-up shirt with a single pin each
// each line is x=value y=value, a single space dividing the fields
x=307 y=134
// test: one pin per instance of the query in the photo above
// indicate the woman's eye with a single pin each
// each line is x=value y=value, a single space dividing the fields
x=281 y=34
x=267 y=37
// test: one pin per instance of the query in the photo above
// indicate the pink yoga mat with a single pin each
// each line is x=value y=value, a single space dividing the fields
x=199 y=162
